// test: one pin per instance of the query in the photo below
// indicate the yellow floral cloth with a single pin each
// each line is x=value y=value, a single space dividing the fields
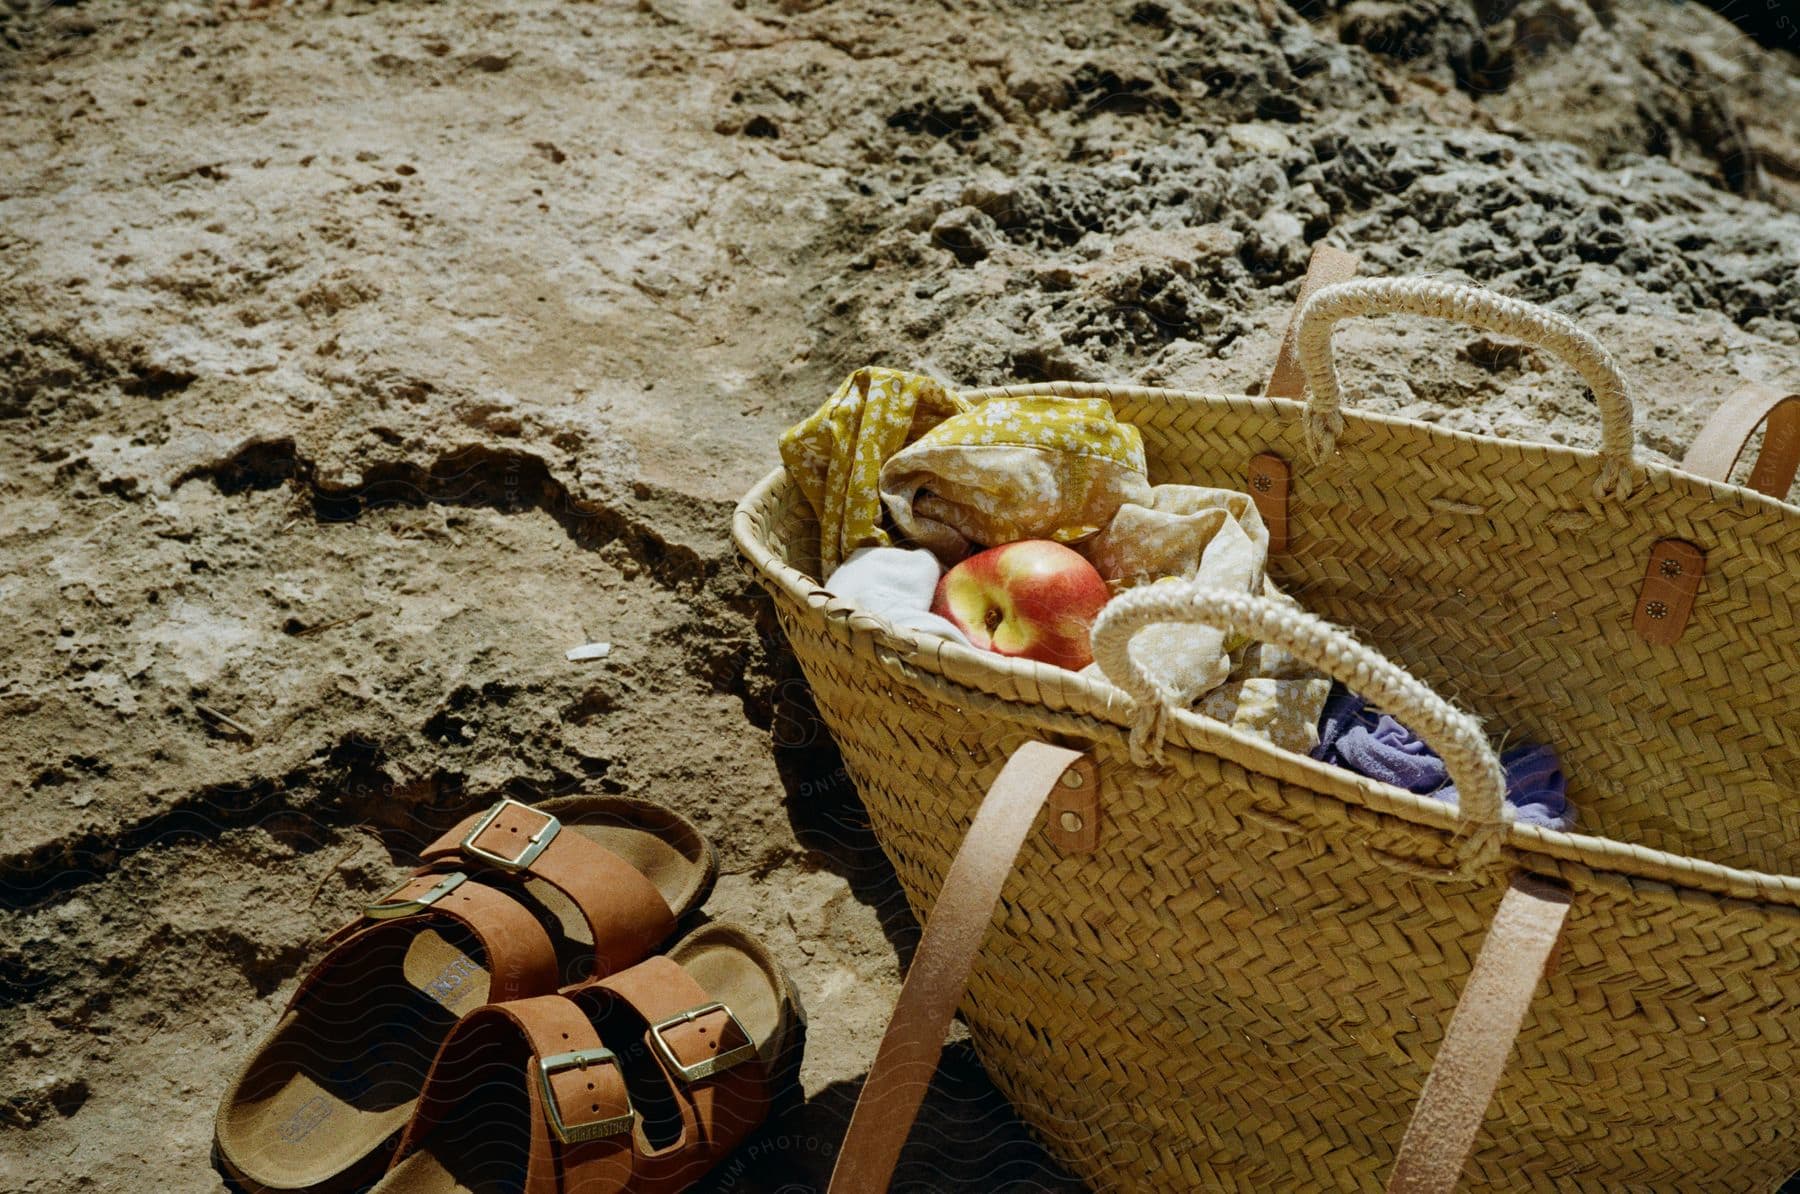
x=836 y=454
x=1011 y=469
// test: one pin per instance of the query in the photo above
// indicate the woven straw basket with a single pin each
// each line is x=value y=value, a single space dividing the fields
x=1244 y=983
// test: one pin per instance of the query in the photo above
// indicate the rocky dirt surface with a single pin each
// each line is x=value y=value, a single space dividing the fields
x=358 y=360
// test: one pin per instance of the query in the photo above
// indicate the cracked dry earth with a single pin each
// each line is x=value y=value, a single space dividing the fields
x=357 y=361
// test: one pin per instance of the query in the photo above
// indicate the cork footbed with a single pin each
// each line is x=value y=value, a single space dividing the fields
x=482 y=1148
x=337 y=1079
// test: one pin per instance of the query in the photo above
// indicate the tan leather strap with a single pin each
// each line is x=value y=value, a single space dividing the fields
x=626 y=913
x=1480 y=1038
x=1722 y=441
x=1328 y=265
x=555 y=1025
x=940 y=969
x=516 y=950
x=524 y=1033
x=718 y=1110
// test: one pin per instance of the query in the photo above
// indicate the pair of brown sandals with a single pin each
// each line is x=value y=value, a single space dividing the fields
x=498 y=1022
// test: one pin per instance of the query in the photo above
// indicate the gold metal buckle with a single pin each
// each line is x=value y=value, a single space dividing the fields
x=387 y=908
x=706 y=1067
x=597 y=1129
x=534 y=845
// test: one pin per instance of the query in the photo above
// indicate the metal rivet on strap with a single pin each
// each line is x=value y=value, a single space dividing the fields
x=1072 y=821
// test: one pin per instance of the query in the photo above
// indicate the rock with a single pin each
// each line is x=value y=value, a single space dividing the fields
x=967 y=232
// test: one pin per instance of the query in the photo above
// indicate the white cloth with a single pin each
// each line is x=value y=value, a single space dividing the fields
x=1184 y=532
x=897 y=583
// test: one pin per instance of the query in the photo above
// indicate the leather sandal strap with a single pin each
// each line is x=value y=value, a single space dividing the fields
x=721 y=1083
x=581 y=1115
x=623 y=908
x=516 y=950
x=1721 y=442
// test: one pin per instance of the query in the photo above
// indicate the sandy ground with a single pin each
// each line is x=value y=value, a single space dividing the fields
x=356 y=361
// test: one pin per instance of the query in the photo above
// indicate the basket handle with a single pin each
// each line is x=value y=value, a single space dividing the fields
x=1455 y=735
x=939 y=974
x=1466 y=1071
x=1324 y=418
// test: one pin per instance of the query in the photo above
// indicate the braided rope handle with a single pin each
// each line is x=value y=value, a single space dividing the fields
x=1537 y=325
x=1456 y=736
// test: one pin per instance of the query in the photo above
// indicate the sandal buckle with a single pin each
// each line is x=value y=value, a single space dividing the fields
x=387 y=907
x=534 y=845
x=706 y=1067
x=596 y=1129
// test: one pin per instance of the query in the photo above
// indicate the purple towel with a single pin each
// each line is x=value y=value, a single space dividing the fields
x=1360 y=739
x=1535 y=787
x=1389 y=752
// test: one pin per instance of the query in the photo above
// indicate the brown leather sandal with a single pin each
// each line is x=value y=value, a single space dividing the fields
x=515 y=901
x=643 y=1081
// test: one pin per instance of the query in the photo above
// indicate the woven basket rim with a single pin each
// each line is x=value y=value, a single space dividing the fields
x=1083 y=704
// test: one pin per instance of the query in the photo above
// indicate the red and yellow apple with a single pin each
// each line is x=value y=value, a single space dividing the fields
x=1033 y=599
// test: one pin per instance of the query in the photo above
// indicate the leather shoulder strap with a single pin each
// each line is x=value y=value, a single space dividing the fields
x=1328 y=265
x=1721 y=442
x=940 y=969
x=1451 y=1107
x=1480 y=1038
